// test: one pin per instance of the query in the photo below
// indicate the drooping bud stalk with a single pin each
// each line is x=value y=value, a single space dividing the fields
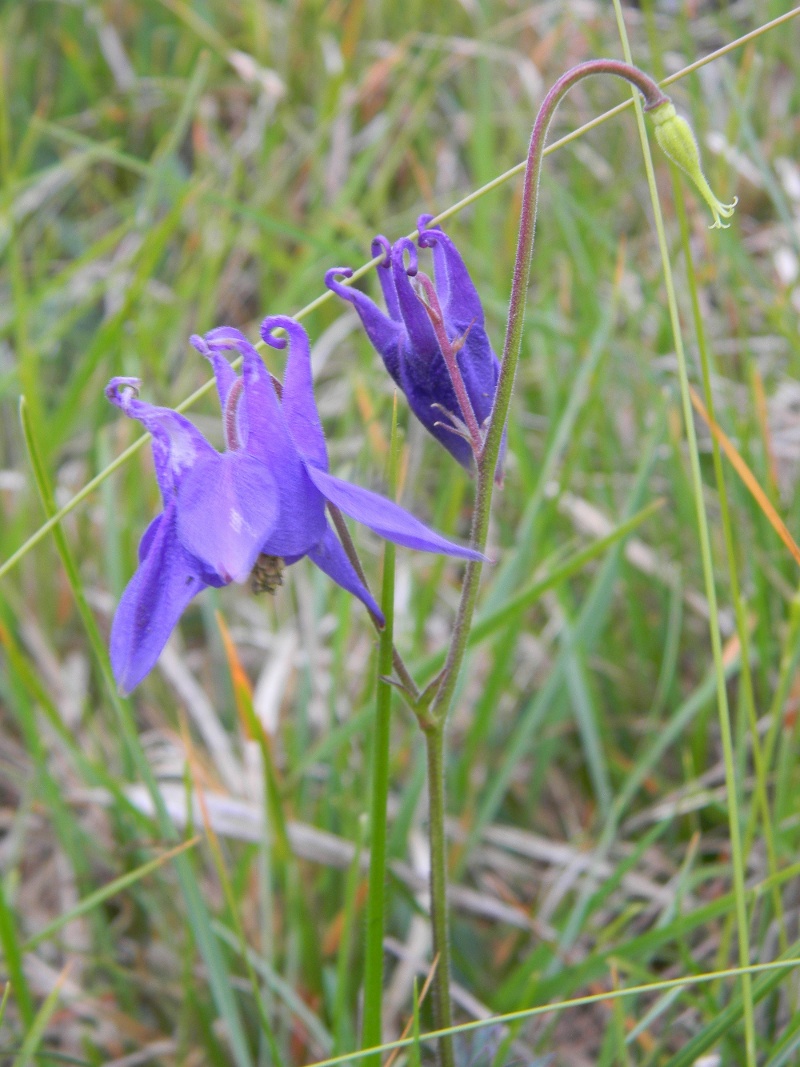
x=678 y=143
x=429 y=299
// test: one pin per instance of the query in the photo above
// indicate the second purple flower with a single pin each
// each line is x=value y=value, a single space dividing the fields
x=405 y=337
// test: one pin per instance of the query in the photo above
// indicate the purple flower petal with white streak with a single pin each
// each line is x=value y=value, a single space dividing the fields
x=177 y=445
x=224 y=374
x=301 y=510
x=227 y=537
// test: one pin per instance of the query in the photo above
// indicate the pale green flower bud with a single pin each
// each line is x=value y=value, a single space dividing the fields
x=677 y=141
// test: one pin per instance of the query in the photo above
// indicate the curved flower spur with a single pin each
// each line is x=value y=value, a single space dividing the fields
x=432 y=339
x=249 y=510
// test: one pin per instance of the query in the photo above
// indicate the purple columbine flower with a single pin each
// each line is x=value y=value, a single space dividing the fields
x=406 y=340
x=248 y=510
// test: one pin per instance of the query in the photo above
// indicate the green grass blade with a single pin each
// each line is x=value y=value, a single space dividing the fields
x=489 y=623
x=590 y=620
x=379 y=787
x=12 y=952
x=93 y=900
x=587 y=718
x=733 y=800
x=33 y=1038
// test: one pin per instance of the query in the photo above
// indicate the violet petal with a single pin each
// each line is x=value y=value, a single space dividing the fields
x=177 y=444
x=299 y=406
x=227 y=507
x=385 y=517
x=152 y=603
x=385 y=334
x=331 y=558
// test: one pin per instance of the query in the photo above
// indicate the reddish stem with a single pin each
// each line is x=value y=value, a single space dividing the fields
x=434 y=309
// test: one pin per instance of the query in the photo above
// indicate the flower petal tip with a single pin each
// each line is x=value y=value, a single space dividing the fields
x=381 y=246
x=399 y=250
x=122 y=390
x=427 y=237
x=224 y=338
x=332 y=282
x=722 y=211
x=278 y=322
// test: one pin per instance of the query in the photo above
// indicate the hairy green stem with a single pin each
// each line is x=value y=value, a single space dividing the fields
x=443 y=1012
x=513 y=342
x=486 y=465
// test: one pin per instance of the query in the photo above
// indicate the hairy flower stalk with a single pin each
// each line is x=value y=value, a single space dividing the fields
x=674 y=138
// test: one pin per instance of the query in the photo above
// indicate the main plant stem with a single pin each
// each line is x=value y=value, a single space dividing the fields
x=434 y=719
x=443 y=1012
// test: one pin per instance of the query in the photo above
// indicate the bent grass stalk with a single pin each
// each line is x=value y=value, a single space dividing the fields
x=742 y=627
x=734 y=830
x=323 y=298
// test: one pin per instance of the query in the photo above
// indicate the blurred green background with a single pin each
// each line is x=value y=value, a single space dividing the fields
x=167 y=167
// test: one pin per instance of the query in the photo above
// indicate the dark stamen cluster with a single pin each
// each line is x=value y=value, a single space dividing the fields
x=267 y=574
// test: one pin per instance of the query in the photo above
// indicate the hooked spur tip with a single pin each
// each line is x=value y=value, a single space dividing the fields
x=332 y=282
x=269 y=338
x=295 y=334
x=427 y=237
x=399 y=250
x=121 y=390
x=382 y=244
x=334 y=273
